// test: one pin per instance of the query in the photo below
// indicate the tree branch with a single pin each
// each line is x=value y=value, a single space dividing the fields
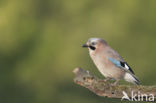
x=105 y=89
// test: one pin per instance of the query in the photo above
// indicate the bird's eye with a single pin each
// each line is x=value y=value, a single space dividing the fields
x=93 y=43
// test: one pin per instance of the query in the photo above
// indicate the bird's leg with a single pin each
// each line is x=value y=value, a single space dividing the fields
x=116 y=82
x=107 y=79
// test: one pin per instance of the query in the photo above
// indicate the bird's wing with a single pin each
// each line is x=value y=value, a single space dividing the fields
x=121 y=64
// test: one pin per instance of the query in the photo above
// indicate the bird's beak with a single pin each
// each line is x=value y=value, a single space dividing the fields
x=85 y=46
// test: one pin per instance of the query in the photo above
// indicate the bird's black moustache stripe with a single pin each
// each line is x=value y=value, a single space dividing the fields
x=92 y=48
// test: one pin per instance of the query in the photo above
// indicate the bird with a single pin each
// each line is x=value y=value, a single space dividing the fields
x=109 y=62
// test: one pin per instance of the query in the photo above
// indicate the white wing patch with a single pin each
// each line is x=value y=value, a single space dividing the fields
x=126 y=66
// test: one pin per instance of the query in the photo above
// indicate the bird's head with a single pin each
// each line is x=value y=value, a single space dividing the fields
x=94 y=44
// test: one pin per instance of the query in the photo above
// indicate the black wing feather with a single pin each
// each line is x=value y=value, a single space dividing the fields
x=123 y=64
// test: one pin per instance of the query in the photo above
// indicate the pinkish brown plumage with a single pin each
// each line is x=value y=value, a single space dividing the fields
x=109 y=62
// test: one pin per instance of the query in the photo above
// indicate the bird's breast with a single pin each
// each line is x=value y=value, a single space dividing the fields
x=102 y=64
x=106 y=67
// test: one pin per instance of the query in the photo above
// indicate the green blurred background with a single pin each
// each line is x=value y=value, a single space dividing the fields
x=40 y=45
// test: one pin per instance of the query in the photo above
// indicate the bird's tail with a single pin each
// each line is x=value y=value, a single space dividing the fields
x=131 y=78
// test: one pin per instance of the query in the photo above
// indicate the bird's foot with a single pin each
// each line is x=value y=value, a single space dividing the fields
x=115 y=83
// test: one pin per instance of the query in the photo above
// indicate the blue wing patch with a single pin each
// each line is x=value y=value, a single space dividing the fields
x=121 y=64
x=116 y=62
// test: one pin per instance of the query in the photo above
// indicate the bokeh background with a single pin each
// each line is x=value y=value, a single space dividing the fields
x=40 y=45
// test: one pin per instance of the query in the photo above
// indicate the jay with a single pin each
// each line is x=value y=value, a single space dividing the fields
x=110 y=64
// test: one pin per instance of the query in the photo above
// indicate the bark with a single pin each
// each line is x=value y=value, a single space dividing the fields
x=106 y=89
